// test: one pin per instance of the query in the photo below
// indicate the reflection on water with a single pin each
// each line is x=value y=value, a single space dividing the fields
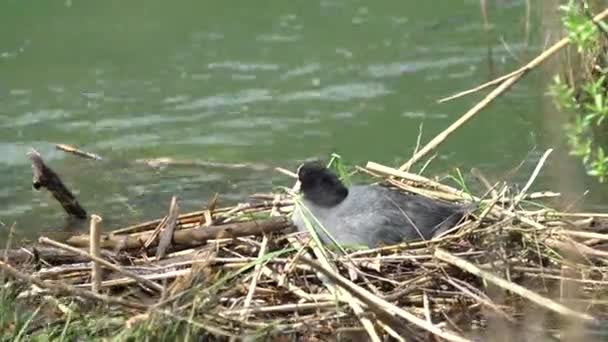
x=272 y=84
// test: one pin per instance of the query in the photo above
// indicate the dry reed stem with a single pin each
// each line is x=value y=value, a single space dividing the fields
x=95 y=235
x=166 y=233
x=531 y=65
x=379 y=305
x=505 y=84
x=286 y=172
x=288 y=308
x=582 y=234
x=511 y=287
x=481 y=300
x=294 y=288
x=563 y=214
x=254 y=278
x=147 y=277
x=101 y=261
x=426 y=306
x=576 y=247
x=441 y=137
x=61 y=288
x=537 y=169
x=341 y=295
x=391 y=332
x=75 y=151
x=389 y=171
x=154 y=234
x=9 y=241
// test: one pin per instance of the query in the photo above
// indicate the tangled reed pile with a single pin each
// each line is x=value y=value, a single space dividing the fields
x=237 y=272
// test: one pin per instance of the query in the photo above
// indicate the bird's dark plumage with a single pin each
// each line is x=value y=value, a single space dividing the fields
x=368 y=215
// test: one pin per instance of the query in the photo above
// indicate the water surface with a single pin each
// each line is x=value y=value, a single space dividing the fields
x=270 y=83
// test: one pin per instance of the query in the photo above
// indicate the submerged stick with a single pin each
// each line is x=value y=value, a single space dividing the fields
x=74 y=150
x=509 y=286
x=101 y=261
x=95 y=233
x=166 y=161
x=45 y=177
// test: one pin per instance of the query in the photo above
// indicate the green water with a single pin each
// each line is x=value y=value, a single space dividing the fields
x=266 y=82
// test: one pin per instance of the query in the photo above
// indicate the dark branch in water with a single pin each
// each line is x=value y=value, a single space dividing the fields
x=45 y=177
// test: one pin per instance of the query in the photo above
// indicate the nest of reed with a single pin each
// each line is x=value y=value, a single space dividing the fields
x=236 y=272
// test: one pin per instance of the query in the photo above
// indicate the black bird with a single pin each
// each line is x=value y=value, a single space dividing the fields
x=368 y=215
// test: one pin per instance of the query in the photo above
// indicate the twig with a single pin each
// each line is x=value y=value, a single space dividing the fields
x=483 y=301
x=389 y=171
x=341 y=295
x=74 y=150
x=9 y=241
x=537 y=169
x=254 y=278
x=293 y=288
x=166 y=161
x=207 y=217
x=562 y=214
x=61 y=288
x=166 y=234
x=512 y=287
x=147 y=277
x=101 y=261
x=152 y=237
x=483 y=180
x=286 y=172
x=441 y=137
x=95 y=234
x=7 y=247
x=380 y=306
x=577 y=247
x=284 y=308
x=426 y=306
x=583 y=234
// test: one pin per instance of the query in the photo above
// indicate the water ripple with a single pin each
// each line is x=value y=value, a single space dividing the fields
x=134 y=121
x=277 y=38
x=301 y=71
x=343 y=92
x=220 y=100
x=241 y=66
x=31 y=118
x=130 y=140
x=398 y=68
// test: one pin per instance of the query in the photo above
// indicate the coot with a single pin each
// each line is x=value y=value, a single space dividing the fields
x=368 y=215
